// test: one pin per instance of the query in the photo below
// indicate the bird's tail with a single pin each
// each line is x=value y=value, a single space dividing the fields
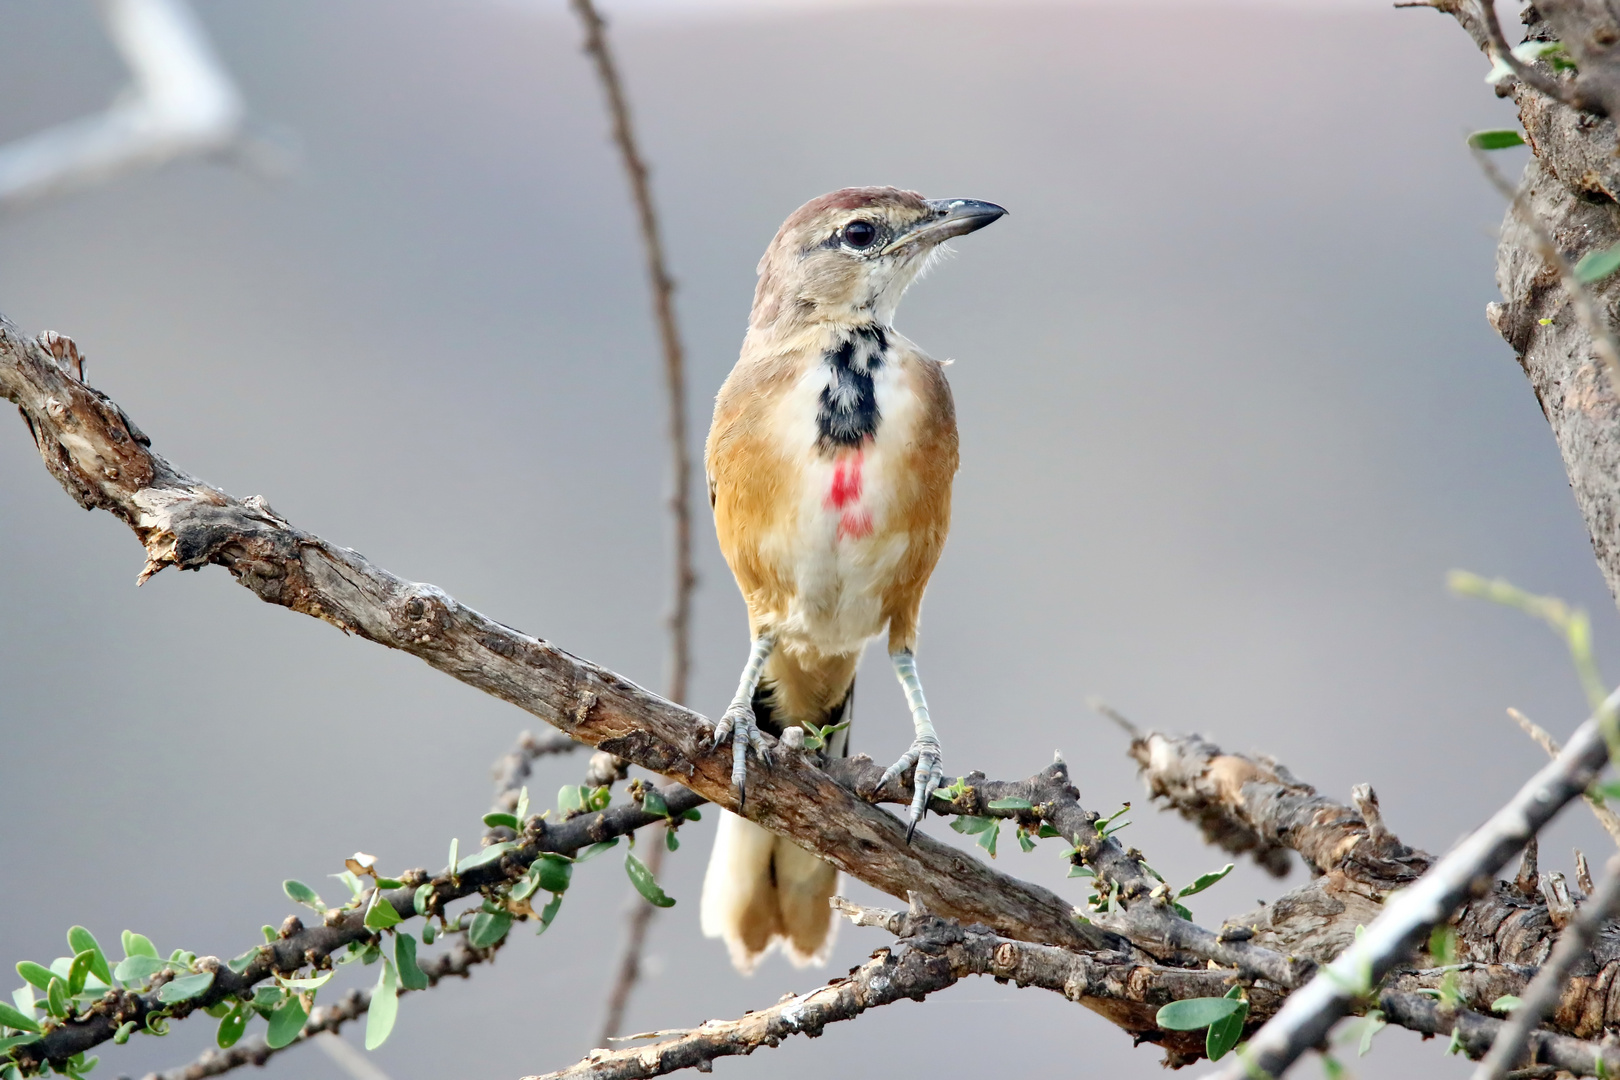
x=761 y=889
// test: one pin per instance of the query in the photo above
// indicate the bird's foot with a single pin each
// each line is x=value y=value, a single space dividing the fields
x=739 y=726
x=930 y=773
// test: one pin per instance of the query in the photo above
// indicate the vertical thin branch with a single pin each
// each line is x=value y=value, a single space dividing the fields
x=680 y=503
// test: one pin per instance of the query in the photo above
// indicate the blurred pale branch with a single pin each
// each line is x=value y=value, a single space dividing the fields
x=180 y=103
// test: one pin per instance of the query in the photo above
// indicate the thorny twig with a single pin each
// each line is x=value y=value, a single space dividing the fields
x=1474 y=1034
x=680 y=499
x=1544 y=991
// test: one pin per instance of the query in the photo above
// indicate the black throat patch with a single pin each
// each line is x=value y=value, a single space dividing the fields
x=848 y=414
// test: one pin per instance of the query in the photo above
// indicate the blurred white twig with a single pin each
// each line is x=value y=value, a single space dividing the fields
x=181 y=103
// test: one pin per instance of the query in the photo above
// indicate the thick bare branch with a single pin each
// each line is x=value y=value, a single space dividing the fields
x=104 y=462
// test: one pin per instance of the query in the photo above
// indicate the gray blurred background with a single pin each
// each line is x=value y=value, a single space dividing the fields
x=1229 y=408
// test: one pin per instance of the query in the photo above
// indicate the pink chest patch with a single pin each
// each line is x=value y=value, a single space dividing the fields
x=844 y=496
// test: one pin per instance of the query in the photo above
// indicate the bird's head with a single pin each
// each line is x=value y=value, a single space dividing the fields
x=848 y=256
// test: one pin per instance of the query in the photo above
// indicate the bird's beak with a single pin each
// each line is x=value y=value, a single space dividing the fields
x=951 y=217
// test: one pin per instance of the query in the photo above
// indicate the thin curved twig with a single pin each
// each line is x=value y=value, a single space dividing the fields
x=680 y=498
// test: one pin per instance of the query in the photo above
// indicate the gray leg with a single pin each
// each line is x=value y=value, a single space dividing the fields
x=925 y=751
x=739 y=718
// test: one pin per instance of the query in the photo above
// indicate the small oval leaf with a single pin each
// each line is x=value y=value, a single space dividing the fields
x=1495 y=139
x=285 y=1023
x=381 y=914
x=384 y=1007
x=411 y=977
x=488 y=929
x=231 y=1028
x=644 y=882
x=1010 y=803
x=302 y=894
x=185 y=988
x=1194 y=1013
x=12 y=1018
x=80 y=940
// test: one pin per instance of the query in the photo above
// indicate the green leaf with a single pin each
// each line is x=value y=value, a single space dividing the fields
x=429 y=932
x=549 y=912
x=987 y=838
x=1012 y=804
x=302 y=894
x=138 y=944
x=384 y=1007
x=484 y=857
x=241 y=963
x=652 y=802
x=1046 y=832
x=1225 y=1033
x=1076 y=870
x=157 y=1023
x=411 y=977
x=389 y=883
x=1597 y=265
x=381 y=914
x=314 y=982
x=56 y=998
x=125 y=1030
x=455 y=845
x=569 y=799
x=232 y=1027
x=510 y=821
x=599 y=799
x=285 y=1023
x=671 y=841
x=1609 y=790
x=218 y=1010
x=552 y=872
x=1182 y=910
x=488 y=929
x=522 y=811
x=1191 y=1014
x=420 y=899
x=644 y=882
x=1495 y=139
x=971 y=825
x=17 y=1040
x=185 y=988
x=1204 y=881
x=38 y=974
x=11 y=1018
x=266 y=999
x=79 y=971
x=1331 y=1068
x=596 y=849
x=80 y=940
x=1504 y=1004
x=1025 y=842
x=693 y=815
x=1370 y=1026
x=269 y=933
x=138 y=968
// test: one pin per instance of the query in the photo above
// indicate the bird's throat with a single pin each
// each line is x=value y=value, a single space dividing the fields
x=847 y=415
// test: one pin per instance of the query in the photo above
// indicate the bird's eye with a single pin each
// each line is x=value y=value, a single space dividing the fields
x=860 y=234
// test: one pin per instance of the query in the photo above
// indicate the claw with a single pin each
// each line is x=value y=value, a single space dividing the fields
x=924 y=753
x=738 y=725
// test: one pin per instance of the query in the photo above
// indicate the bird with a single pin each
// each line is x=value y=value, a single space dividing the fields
x=830 y=461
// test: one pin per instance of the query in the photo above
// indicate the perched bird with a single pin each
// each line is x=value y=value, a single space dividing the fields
x=830 y=461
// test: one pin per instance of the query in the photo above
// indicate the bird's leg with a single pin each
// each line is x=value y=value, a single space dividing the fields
x=924 y=752
x=738 y=722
